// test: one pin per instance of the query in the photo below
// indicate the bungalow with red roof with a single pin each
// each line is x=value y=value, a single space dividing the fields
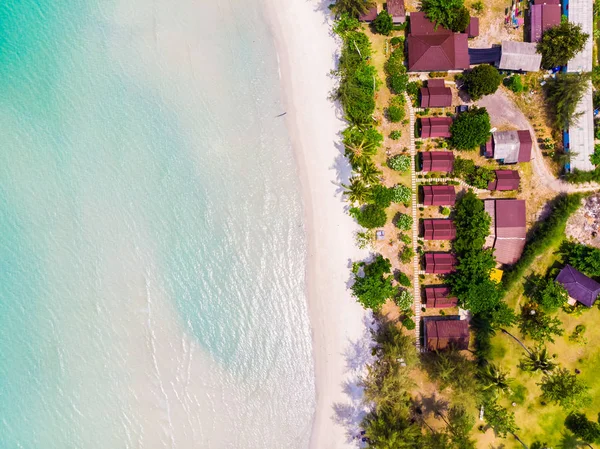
x=435 y=49
x=370 y=15
x=442 y=161
x=436 y=94
x=439 y=297
x=510 y=147
x=446 y=333
x=543 y=14
x=439 y=195
x=505 y=180
x=507 y=229
x=395 y=8
x=438 y=229
x=435 y=127
x=580 y=287
x=439 y=263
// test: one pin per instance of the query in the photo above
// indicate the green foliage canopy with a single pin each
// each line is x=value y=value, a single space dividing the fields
x=565 y=389
x=399 y=162
x=375 y=286
x=547 y=293
x=582 y=257
x=538 y=325
x=561 y=43
x=371 y=216
x=470 y=129
x=352 y=8
x=383 y=23
x=582 y=427
x=404 y=222
x=563 y=93
x=483 y=80
x=450 y=14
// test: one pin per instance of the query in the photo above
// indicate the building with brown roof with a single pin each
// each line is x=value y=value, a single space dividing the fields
x=439 y=195
x=370 y=15
x=438 y=229
x=507 y=229
x=431 y=49
x=395 y=8
x=473 y=28
x=510 y=147
x=439 y=263
x=447 y=333
x=435 y=127
x=543 y=14
x=442 y=161
x=505 y=180
x=439 y=297
x=580 y=287
x=436 y=94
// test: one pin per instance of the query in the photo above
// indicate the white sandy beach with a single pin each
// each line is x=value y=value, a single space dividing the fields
x=307 y=55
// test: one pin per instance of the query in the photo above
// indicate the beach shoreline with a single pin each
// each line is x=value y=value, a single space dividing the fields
x=307 y=53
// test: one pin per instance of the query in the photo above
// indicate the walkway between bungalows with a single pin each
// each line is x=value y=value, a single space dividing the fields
x=415 y=226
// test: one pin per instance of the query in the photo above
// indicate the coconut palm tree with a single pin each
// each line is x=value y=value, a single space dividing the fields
x=494 y=379
x=356 y=191
x=369 y=173
x=538 y=360
x=359 y=154
x=525 y=348
x=354 y=8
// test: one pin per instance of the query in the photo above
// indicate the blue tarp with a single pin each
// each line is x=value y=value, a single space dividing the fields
x=485 y=55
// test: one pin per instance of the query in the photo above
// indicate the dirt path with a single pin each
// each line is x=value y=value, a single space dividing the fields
x=502 y=112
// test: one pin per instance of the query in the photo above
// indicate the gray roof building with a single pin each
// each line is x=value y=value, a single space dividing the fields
x=519 y=57
x=581 y=12
x=511 y=147
x=581 y=134
x=579 y=286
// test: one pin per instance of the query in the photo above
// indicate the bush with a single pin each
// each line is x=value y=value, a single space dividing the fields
x=399 y=162
x=408 y=323
x=371 y=216
x=345 y=23
x=483 y=80
x=477 y=7
x=381 y=196
x=450 y=14
x=383 y=23
x=514 y=83
x=405 y=238
x=563 y=93
x=445 y=211
x=582 y=257
x=375 y=287
x=413 y=88
x=407 y=254
x=402 y=194
x=438 y=74
x=560 y=43
x=396 y=71
x=404 y=300
x=403 y=280
x=404 y=222
x=395 y=114
x=471 y=129
x=397 y=40
x=395 y=135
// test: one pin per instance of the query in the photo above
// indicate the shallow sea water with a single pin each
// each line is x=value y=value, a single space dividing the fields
x=152 y=250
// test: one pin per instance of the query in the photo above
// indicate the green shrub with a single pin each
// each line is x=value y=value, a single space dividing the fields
x=383 y=23
x=514 y=83
x=396 y=71
x=399 y=162
x=404 y=300
x=402 y=194
x=381 y=196
x=404 y=222
x=438 y=74
x=483 y=80
x=445 y=211
x=395 y=135
x=403 y=279
x=374 y=287
x=477 y=7
x=396 y=40
x=371 y=216
x=413 y=88
x=406 y=239
x=407 y=254
x=470 y=129
x=395 y=114
x=345 y=23
x=408 y=323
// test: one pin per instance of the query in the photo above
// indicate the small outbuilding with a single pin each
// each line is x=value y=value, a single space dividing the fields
x=505 y=180
x=507 y=229
x=510 y=147
x=436 y=94
x=370 y=15
x=396 y=9
x=438 y=161
x=447 y=333
x=438 y=229
x=439 y=297
x=435 y=127
x=580 y=287
x=439 y=263
x=439 y=195
x=520 y=57
x=543 y=14
x=473 y=28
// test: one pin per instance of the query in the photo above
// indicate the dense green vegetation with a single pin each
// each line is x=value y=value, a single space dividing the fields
x=397 y=78
x=383 y=23
x=514 y=83
x=560 y=43
x=483 y=80
x=582 y=427
x=564 y=388
x=396 y=110
x=563 y=93
x=404 y=222
x=470 y=129
x=370 y=216
x=450 y=14
x=546 y=293
x=399 y=162
x=351 y=8
x=583 y=258
x=473 y=175
x=373 y=287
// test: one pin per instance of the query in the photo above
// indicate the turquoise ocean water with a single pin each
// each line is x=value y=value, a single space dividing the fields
x=151 y=243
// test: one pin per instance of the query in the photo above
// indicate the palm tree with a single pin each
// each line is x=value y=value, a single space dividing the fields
x=359 y=154
x=504 y=331
x=354 y=8
x=538 y=360
x=495 y=379
x=369 y=173
x=356 y=191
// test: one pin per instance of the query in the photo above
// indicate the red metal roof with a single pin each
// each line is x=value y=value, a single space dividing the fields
x=438 y=229
x=505 y=180
x=525 y=145
x=473 y=28
x=439 y=297
x=420 y=24
x=444 y=333
x=435 y=127
x=439 y=263
x=437 y=161
x=436 y=95
x=509 y=230
x=544 y=15
x=370 y=15
x=396 y=9
x=439 y=195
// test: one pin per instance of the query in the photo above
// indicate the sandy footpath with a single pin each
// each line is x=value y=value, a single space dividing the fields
x=307 y=54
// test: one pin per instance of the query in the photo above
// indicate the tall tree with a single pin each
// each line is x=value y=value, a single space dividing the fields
x=582 y=427
x=357 y=191
x=565 y=389
x=374 y=286
x=495 y=380
x=547 y=293
x=563 y=94
x=538 y=325
x=483 y=80
x=354 y=8
x=538 y=360
x=560 y=43
x=470 y=129
x=460 y=423
x=450 y=14
x=500 y=419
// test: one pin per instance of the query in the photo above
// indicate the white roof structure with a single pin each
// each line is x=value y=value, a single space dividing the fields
x=581 y=135
x=581 y=12
x=506 y=146
x=520 y=56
